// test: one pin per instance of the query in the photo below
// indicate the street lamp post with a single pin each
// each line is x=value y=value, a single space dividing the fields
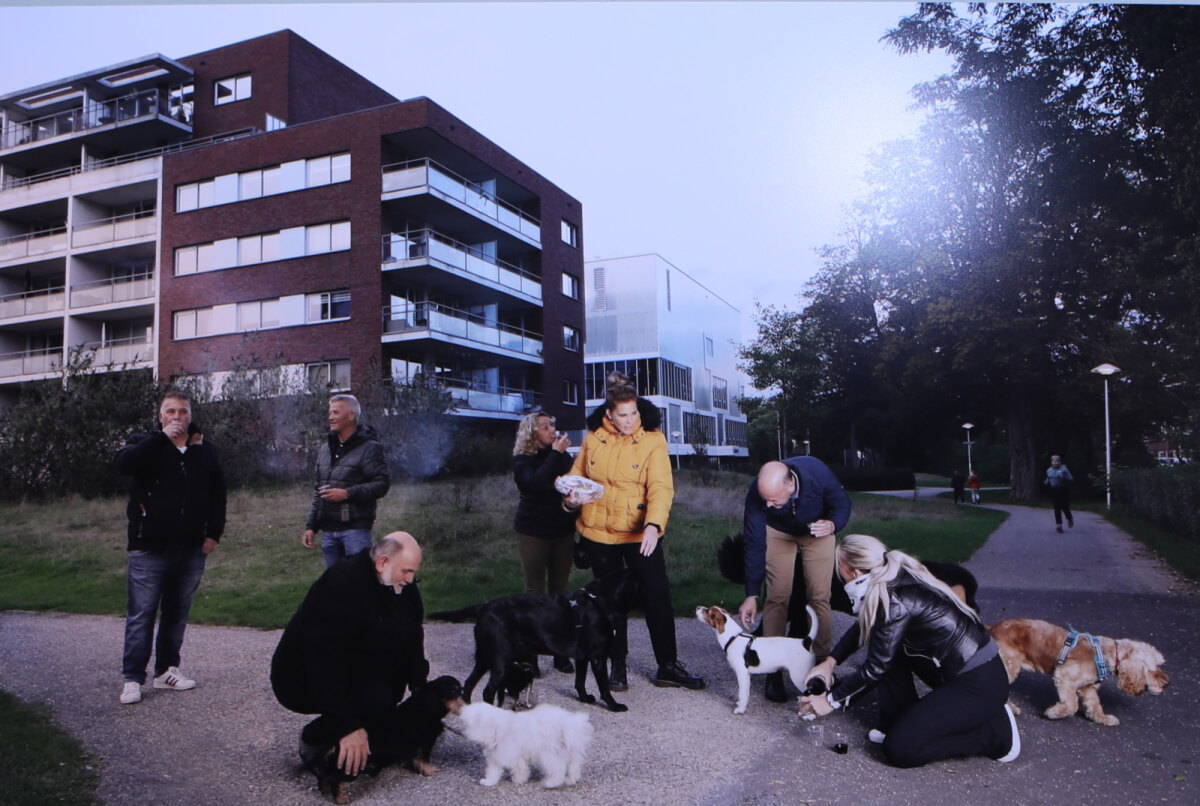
x=1105 y=370
x=968 y=443
x=807 y=448
x=675 y=439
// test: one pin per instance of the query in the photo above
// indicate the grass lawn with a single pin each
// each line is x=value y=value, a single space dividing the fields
x=40 y=764
x=69 y=556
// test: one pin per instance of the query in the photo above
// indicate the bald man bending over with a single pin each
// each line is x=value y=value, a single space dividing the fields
x=797 y=504
x=353 y=648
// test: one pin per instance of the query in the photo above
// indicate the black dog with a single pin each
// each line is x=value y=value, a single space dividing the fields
x=518 y=679
x=732 y=564
x=407 y=737
x=578 y=625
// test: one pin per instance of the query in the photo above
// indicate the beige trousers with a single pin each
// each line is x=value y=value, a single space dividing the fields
x=817 y=556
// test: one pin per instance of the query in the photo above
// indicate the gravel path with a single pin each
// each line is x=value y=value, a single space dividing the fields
x=229 y=742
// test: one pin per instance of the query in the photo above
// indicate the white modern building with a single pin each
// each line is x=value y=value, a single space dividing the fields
x=677 y=340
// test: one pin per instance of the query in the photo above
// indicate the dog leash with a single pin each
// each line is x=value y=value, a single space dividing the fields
x=1073 y=636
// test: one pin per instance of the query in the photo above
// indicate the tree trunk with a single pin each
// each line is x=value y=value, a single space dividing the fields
x=1021 y=457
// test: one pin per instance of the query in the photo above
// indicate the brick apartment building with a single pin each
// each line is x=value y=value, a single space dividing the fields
x=262 y=200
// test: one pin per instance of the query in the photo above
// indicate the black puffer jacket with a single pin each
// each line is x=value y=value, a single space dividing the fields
x=176 y=500
x=923 y=628
x=540 y=512
x=357 y=465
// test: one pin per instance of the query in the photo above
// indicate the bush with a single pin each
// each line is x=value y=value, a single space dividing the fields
x=1168 y=496
x=867 y=478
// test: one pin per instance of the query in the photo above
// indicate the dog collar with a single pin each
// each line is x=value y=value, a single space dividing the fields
x=729 y=643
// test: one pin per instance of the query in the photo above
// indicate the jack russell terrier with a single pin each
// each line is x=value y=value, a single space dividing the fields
x=749 y=654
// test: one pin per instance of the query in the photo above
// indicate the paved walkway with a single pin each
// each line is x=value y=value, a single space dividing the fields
x=228 y=742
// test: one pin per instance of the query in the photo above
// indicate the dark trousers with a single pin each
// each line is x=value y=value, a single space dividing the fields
x=655 y=591
x=964 y=716
x=1061 y=496
x=374 y=703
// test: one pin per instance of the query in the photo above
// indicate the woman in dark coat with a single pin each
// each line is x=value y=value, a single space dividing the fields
x=545 y=531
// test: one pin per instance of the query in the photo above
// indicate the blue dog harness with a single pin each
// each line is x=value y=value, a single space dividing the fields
x=1073 y=636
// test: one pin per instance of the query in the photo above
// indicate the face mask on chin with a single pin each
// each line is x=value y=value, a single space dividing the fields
x=856 y=589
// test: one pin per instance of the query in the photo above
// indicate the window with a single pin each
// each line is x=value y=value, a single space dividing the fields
x=257 y=315
x=735 y=433
x=708 y=346
x=570 y=392
x=285 y=178
x=599 y=297
x=185 y=324
x=274 y=123
x=570 y=286
x=571 y=338
x=252 y=249
x=187 y=197
x=185 y=260
x=720 y=393
x=570 y=233
x=234 y=88
x=328 y=306
x=250 y=185
x=331 y=375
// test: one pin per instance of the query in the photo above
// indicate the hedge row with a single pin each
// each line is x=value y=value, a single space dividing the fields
x=1168 y=496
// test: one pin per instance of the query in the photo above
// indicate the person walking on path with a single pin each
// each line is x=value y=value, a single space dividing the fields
x=352 y=475
x=958 y=481
x=1058 y=481
x=974 y=483
x=176 y=515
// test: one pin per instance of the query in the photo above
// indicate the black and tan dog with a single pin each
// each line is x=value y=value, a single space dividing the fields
x=579 y=625
x=407 y=738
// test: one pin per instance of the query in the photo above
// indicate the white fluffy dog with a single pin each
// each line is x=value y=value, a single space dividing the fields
x=550 y=738
x=748 y=654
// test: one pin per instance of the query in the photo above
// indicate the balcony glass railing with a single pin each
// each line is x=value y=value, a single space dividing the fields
x=427 y=246
x=117 y=228
x=427 y=173
x=117 y=289
x=440 y=319
x=30 y=244
x=88 y=116
x=30 y=303
x=121 y=351
x=468 y=394
x=30 y=362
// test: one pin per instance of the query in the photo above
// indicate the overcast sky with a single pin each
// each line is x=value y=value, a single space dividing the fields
x=726 y=137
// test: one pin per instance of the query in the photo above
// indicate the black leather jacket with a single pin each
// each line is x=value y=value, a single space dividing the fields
x=923 y=629
x=360 y=467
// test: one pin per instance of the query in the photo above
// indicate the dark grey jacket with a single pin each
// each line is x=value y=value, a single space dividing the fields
x=358 y=465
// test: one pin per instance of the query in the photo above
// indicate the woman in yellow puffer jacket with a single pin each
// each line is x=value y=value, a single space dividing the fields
x=627 y=453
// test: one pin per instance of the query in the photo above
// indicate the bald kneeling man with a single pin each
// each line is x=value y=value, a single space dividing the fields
x=793 y=505
x=353 y=648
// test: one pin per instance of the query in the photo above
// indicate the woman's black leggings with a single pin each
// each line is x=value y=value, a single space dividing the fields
x=655 y=590
x=964 y=716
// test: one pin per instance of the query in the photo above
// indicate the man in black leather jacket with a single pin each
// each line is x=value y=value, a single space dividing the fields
x=916 y=626
x=352 y=474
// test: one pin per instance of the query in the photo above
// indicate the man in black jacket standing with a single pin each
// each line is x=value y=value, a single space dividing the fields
x=176 y=514
x=352 y=475
x=353 y=648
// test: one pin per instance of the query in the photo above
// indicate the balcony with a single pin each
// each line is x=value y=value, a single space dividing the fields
x=117 y=289
x=429 y=320
x=120 y=352
x=90 y=116
x=425 y=176
x=30 y=362
x=33 y=244
x=426 y=247
x=471 y=398
x=118 y=228
x=32 y=303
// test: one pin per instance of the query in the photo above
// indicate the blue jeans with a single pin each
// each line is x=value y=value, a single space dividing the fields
x=336 y=546
x=166 y=578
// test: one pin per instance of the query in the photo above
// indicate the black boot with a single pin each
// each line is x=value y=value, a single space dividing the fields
x=674 y=674
x=618 y=679
x=563 y=664
x=774 y=690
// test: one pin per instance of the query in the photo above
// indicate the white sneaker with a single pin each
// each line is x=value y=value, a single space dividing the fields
x=174 y=679
x=1015 y=750
x=131 y=693
x=876 y=736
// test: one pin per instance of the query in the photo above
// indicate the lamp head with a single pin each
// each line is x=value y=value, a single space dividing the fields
x=968 y=426
x=1106 y=370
